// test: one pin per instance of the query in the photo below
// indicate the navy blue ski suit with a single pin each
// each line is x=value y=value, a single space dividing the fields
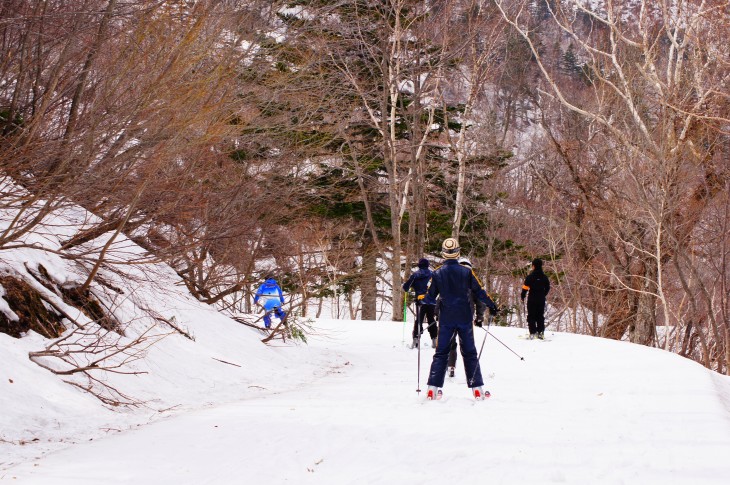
x=454 y=283
x=418 y=282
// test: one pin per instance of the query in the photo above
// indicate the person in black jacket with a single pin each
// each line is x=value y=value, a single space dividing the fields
x=536 y=288
x=418 y=282
x=454 y=284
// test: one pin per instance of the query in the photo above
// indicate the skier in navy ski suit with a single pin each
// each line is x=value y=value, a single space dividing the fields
x=271 y=300
x=536 y=287
x=478 y=308
x=453 y=283
x=418 y=282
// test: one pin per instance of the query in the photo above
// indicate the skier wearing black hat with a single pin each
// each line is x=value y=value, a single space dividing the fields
x=418 y=281
x=536 y=288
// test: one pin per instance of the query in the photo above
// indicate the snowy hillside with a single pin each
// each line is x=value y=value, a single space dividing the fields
x=344 y=409
x=168 y=353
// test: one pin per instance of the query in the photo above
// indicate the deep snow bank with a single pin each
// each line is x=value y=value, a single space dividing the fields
x=224 y=362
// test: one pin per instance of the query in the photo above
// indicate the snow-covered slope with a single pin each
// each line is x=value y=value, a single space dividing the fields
x=576 y=410
x=212 y=360
x=39 y=412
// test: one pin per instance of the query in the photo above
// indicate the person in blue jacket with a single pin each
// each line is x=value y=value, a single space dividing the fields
x=270 y=297
x=454 y=284
x=418 y=282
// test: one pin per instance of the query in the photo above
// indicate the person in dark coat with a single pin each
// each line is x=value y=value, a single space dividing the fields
x=418 y=282
x=477 y=308
x=536 y=288
x=454 y=283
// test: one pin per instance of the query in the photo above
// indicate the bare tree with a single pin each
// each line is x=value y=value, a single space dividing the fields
x=648 y=88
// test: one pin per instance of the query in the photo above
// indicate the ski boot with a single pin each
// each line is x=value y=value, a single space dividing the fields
x=415 y=343
x=452 y=371
x=541 y=335
x=532 y=336
x=434 y=393
x=433 y=343
x=480 y=394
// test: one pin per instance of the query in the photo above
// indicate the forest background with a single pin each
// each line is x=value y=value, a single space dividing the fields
x=334 y=143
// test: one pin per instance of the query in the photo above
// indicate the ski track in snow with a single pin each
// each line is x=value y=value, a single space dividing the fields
x=577 y=410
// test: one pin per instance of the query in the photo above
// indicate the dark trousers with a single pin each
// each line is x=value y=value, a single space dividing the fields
x=452 y=351
x=424 y=311
x=536 y=317
x=465 y=333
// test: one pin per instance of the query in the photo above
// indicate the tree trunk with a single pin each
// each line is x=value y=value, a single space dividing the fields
x=643 y=328
x=368 y=279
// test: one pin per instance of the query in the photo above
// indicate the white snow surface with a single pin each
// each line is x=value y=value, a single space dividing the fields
x=344 y=409
x=225 y=408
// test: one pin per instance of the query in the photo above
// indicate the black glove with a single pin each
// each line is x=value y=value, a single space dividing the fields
x=493 y=311
x=479 y=322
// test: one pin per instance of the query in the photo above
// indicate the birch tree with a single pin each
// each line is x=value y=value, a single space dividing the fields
x=651 y=113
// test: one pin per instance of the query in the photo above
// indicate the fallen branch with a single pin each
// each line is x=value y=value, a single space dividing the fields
x=281 y=329
x=225 y=362
x=170 y=322
x=82 y=352
x=50 y=301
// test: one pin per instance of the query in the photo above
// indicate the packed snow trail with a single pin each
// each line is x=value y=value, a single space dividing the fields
x=576 y=410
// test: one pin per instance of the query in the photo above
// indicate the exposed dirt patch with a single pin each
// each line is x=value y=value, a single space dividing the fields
x=33 y=313
x=85 y=301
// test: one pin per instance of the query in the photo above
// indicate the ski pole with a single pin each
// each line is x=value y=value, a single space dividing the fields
x=527 y=318
x=431 y=325
x=405 y=316
x=508 y=348
x=418 y=387
x=471 y=381
x=489 y=321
